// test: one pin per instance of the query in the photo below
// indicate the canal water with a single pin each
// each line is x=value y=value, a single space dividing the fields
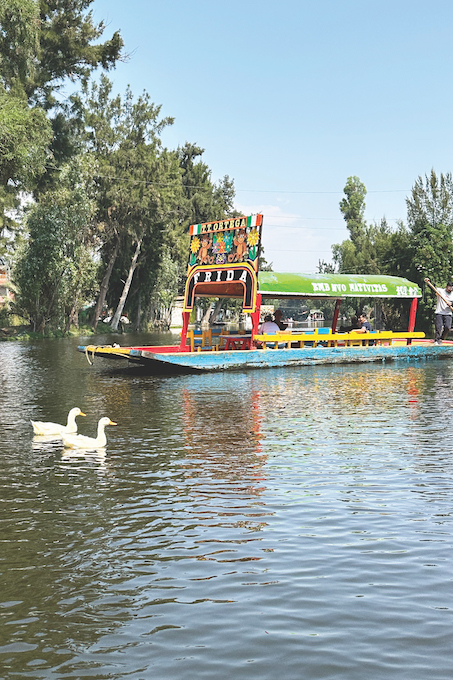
x=290 y=523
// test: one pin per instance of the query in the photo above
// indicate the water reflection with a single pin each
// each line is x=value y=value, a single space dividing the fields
x=233 y=523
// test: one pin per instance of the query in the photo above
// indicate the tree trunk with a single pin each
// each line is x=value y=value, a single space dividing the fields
x=216 y=311
x=139 y=313
x=206 y=315
x=127 y=285
x=73 y=318
x=168 y=313
x=104 y=286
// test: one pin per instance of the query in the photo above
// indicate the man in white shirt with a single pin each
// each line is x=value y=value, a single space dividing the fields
x=443 y=313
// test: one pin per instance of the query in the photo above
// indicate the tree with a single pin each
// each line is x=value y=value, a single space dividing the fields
x=25 y=135
x=430 y=221
x=165 y=290
x=43 y=42
x=19 y=41
x=147 y=198
x=136 y=184
x=55 y=272
x=353 y=208
x=367 y=249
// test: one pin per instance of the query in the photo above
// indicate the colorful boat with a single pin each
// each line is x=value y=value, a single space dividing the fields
x=223 y=263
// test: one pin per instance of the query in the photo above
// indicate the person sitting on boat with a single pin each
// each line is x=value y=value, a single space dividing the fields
x=364 y=325
x=278 y=320
x=268 y=327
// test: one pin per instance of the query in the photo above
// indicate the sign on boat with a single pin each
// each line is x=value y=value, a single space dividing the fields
x=224 y=263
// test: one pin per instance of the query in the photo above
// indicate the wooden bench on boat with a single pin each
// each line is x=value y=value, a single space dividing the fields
x=201 y=339
x=329 y=339
x=214 y=339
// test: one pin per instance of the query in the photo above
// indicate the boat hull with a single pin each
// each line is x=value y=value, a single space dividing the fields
x=155 y=360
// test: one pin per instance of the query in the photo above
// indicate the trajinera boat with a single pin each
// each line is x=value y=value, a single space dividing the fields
x=224 y=263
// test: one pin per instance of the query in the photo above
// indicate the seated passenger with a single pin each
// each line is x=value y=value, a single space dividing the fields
x=268 y=326
x=278 y=320
x=364 y=325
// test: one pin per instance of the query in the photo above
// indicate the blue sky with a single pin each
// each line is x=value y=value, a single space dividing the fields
x=291 y=97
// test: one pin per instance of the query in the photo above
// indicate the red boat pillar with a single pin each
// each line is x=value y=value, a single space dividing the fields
x=185 y=325
x=255 y=316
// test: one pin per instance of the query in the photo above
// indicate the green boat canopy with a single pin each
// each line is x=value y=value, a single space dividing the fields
x=273 y=285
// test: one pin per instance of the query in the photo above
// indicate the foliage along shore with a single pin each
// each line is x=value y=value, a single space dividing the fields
x=11 y=333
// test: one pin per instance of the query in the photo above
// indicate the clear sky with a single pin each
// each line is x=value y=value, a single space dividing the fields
x=291 y=97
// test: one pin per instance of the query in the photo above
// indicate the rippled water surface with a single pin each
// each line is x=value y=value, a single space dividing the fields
x=285 y=524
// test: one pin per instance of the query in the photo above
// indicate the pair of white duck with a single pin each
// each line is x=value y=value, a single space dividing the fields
x=68 y=432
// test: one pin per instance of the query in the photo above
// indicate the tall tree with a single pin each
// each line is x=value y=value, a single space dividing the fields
x=55 y=272
x=353 y=208
x=430 y=221
x=43 y=42
x=25 y=135
x=135 y=184
x=352 y=255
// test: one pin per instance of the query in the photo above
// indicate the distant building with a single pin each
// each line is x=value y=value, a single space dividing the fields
x=176 y=313
x=5 y=282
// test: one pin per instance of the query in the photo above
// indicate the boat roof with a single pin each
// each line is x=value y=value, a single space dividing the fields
x=282 y=285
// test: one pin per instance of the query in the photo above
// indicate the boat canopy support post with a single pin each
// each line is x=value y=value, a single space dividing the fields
x=335 y=315
x=185 y=325
x=412 y=314
x=255 y=316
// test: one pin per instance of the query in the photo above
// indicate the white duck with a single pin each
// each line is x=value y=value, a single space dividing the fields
x=48 y=429
x=79 y=441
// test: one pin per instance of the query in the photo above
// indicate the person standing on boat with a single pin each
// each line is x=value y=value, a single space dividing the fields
x=442 y=315
x=278 y=320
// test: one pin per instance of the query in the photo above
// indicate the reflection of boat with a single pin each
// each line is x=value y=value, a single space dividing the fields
x=223 y=263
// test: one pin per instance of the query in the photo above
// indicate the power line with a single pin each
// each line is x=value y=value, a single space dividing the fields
x=293 y=250
x=285 y=226
x=314 y=228
x=254 y=191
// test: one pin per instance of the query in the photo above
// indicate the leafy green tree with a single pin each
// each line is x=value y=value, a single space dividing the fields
x=372 y=249
x=353 y=256
x=204 y=199
x=55 y=272
x=430 y=222
x=25 y=135
x=421 y=249
x=136 y=185
x=19 y=41
x=353 y=208
x=165 y=290
x=368 y=250
x=43 y=42
x=201 y=200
